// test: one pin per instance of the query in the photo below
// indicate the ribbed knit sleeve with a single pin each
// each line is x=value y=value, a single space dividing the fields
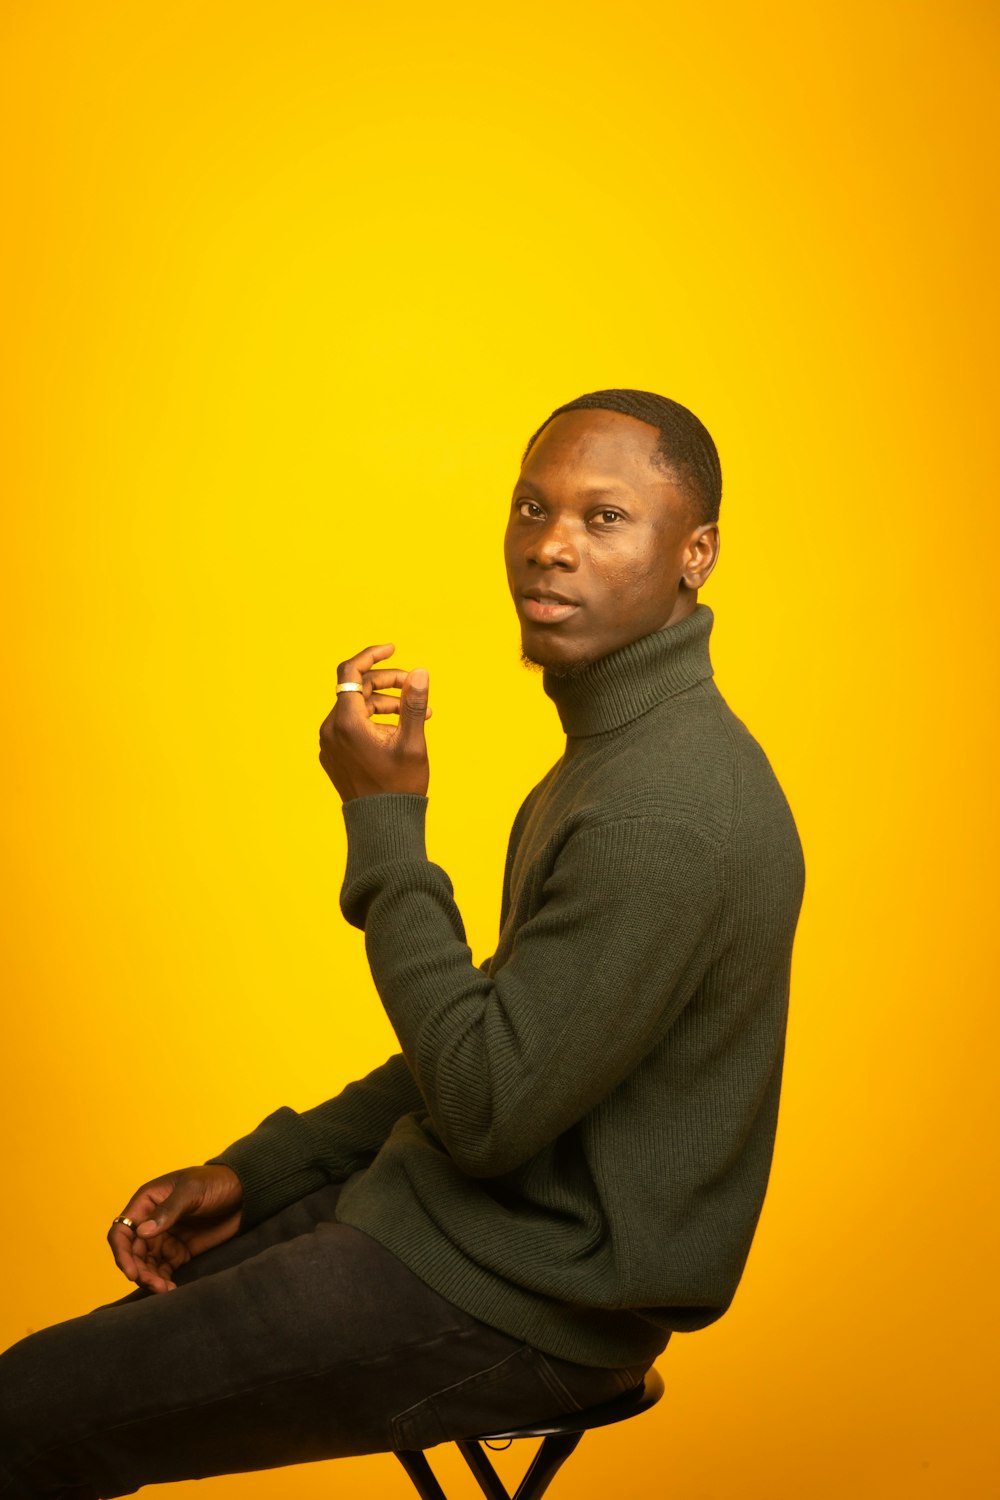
x=507 y=1062
x=291 y=1154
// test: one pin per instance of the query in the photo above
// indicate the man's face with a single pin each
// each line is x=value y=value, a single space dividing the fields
x=597 y=541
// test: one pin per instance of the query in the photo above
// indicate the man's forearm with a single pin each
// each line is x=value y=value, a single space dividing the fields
x=292 y=1153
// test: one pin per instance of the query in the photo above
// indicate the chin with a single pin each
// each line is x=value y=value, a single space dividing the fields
x=556 y=666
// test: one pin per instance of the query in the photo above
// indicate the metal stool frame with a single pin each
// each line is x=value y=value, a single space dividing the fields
x=559 y=1437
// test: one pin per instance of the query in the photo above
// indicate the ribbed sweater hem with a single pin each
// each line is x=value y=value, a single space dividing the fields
x=606 y=1338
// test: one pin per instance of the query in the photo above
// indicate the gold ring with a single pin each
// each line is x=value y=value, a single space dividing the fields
x=350 y=687
x=129 y=1223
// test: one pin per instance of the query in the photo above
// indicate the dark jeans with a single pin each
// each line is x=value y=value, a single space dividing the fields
x=302 y=1339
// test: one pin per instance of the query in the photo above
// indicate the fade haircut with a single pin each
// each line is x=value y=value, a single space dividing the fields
x=685 y=451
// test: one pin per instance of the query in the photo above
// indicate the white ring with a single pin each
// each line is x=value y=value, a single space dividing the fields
x=350 y=687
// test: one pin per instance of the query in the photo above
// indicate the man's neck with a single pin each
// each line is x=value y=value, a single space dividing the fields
x=606 y=694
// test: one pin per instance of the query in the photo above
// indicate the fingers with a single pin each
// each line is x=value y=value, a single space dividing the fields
x=376 y=683
x=121 y=1238
x=363 y=757
x=354 y=667
x=139 y=1252
x=163 y=1255
x=382 y=703
x=386 y=677
x=352 y=707
x=148 y=1263
x=156 y=1277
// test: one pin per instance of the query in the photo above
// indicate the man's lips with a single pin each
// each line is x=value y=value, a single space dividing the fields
x=546 y=607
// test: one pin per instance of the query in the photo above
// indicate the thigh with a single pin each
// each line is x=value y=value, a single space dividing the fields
x=264 y=1362
x=315 y=1346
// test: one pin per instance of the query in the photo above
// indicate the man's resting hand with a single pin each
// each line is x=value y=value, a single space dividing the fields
x=176 y=1216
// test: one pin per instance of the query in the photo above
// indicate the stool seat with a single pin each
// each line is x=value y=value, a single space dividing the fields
x=560 y=1435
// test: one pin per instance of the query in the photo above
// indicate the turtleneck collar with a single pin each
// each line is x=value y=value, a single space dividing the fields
x=613 y=691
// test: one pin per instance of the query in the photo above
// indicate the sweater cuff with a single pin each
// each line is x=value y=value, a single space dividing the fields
x=271 y=1167
x=383 y=829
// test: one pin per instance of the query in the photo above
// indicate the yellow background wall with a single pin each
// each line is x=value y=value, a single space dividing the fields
x=285 y=288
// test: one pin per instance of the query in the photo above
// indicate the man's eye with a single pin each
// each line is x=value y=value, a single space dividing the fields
x=609 y=517
x=530 y=509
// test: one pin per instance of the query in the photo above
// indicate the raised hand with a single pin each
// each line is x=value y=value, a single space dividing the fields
x=175 y=1217
x=363 y=758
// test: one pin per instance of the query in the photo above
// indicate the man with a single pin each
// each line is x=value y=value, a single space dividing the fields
x=566 y=1160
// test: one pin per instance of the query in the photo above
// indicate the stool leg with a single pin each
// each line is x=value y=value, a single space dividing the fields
x=422 y=1474
x=486 y=1475
x=545 y=1465
x=551 y=1455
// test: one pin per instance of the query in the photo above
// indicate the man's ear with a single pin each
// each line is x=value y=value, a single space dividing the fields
x=700 y=555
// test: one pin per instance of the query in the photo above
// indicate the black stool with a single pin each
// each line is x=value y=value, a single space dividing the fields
x=559 y=1437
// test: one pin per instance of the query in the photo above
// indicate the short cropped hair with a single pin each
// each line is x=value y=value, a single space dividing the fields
x=685 y=450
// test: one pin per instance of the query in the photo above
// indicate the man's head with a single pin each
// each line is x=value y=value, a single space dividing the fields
x=613 y=525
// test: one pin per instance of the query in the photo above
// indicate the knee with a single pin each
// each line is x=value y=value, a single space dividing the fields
x=35 y=1418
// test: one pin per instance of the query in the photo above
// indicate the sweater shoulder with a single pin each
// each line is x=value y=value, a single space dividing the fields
x=690 y=761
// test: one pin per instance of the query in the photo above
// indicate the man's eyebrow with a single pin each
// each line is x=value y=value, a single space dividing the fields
x=591 y=492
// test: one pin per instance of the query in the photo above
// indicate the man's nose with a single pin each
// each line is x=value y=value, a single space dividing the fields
x=552 y=546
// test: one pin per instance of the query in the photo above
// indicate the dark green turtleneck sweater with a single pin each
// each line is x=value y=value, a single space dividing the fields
x=574 y=1142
